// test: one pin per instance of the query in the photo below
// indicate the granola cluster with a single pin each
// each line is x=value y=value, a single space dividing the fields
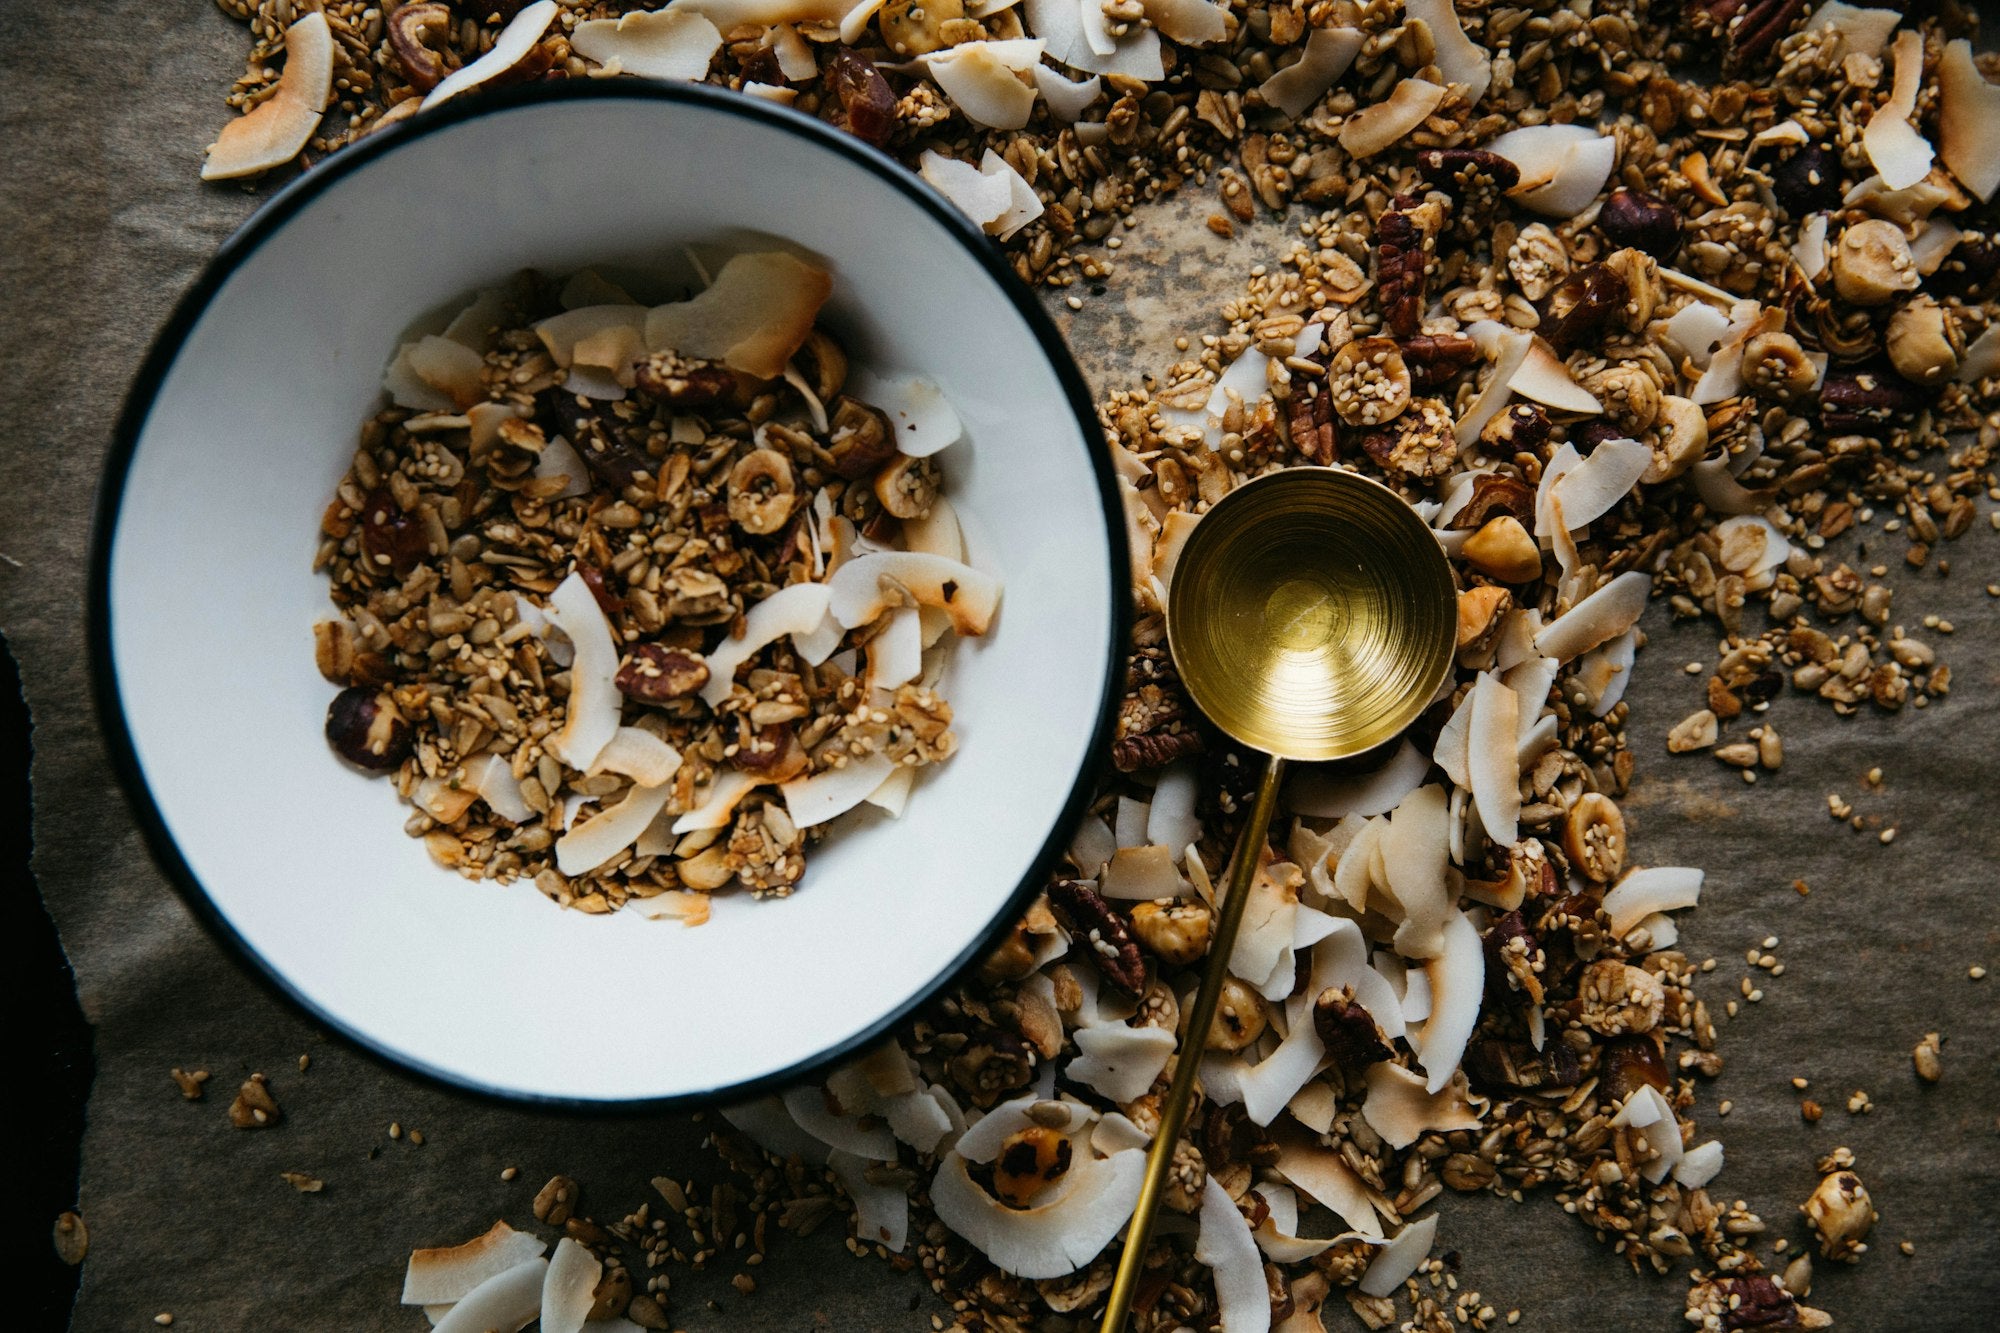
x=670 y=509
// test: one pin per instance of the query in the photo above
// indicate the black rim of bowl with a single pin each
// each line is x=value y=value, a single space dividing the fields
x=267 y=222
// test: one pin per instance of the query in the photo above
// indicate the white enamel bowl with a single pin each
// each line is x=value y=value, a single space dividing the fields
x=243 y=419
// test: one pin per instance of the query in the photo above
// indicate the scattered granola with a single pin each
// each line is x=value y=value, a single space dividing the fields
x=254 y=1107
x=634 y=601
x=72 y=1238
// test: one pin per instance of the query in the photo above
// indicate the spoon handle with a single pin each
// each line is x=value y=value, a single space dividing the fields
x=1194 y=1038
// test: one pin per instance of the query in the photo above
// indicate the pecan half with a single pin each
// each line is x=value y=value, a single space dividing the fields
x=419 y=34
x=654 y=674
x=1111 y=945
x=1757 y=1301
x=1472 y=176
x=1348 y=1031
x=1436 y=359
x=1399 y=270
x=1865 y=401
x=864 y=95
x=683 y=381
x=1757 y=30
x=1309 y=417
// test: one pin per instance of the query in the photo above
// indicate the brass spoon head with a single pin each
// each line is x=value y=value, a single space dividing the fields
x=1312 y=614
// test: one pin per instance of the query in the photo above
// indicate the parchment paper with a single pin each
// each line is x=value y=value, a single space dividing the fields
x=103 y=113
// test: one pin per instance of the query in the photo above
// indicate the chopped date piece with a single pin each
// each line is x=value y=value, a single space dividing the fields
x=864 y=95
x=365 y=729
x=1348 y=1031
x=392 y=538
x=684 y=381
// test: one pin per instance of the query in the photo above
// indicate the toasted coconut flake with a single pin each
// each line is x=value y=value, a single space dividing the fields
x=609 y=832
x=504 y=1303
x=984 y=1137
x=1605 y=614
x=450 y=368
x=1930 y=247
x=1968 y=114
x=923 y=418
x=1460 y=59
x=1093 y=846
x=1415 y=854
x=1324 y=1174
x=753 y=318
x=795 y=57
x=936 y=532
x=638 y=755
x=585 y=287
x=492 y=779
x=272 y=133
x=799 y=609
x=1269 y=921
x=1230 y=1251
x=591 y=382
x=1649 y=1112
x=1171 y=820
x=1400 y=1257
x=1341 y=959
x=407 y=389
x=727 y=14
x=1809 y=250
x=808 y=1108
x=1189 y=22
x=1563 y=167
x=1605 y=671
x=918 y=1119
x=1119 y=1062
x=1699 y=1165
x=1351 y=873
x=983 y=80
x=893 y=796
x=1697 y=328
x=560 y=459
x=448 y=1274
x=1863 y=30
x=1277 y=1235
x=1267 y=1087
x=588 y=326
x=1129 y=821
x=881 y=1212
x=569 y=1287
x=860 y=588
x=1457 y=980
x=1900 y=154
x=1385 y=124
x=1319 y=793
x=1594 y=486
x=1066 y=100
x=594 y=702
x=661 y=44
x=1982 y=359
x=1450 y=752
x=1055 y=1238
x=1141 y=874
x=717 y=803
x=824 y=796
x=772 y=1128
x=896 y=655
x=1544 y=378
x=1492 y=758
x=1060 y=24
x=1400 y=1107
x=509 y=49
x=1297 y=88
x=1643 y=892
x=1751 y=545
x=1507 y=349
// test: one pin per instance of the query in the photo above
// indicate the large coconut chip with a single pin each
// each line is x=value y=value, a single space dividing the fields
x=1457 y=981
x=1562 y=166
x=1863 y=30
x=1492 y=758
x=1324 y=1174
x=446 y=1274
x=1118 y=1062
x=1322 y=794
x=1600 y=481
x=1067 y=100
x=922 y=419
x=492 y=778
x=595 y=704
x=1458 y=57
x=1700 y=1165
x=1399 y=1258
x=1297 y=88
x=881 y=1212
x=1277 y=1235
x=1648 y=1111
x=1385 y=124
x=587 y=326
x=1189 y=22
x=1900 y=154
x=1061 y=26
x=861 y=589
x=984 y=1137
x=569 y=1288
x=1605 y=614
x=984 y=80
x=1400 y=1107
x=638 y=755
x=808 y=1108
x=1544 y=378
x=1091 y=1203
x=771 y=1127
x=673 y=44
x=604 y=835
x=505 y=1303
x=983 y=198
x=1230 y=1251
x=1603 y=673
x=1643 y=892
x=1141 y=874
x=752 y=318
x=509 y=49
x=824 y=796
x=1416 y=853
x=277 y=128
x=1968 y=120
x=715 y=805
x=799 y=609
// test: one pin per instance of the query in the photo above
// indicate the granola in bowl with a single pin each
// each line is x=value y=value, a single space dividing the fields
x=633 y=601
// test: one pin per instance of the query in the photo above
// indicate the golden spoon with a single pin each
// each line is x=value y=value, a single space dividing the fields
x=1312 y=617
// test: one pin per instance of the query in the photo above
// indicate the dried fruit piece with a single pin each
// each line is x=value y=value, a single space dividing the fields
x=864 y=95
x=1643 y=221
x=420 y=35
x=1584 y=304
x=1348 y=1031
x=365 y=728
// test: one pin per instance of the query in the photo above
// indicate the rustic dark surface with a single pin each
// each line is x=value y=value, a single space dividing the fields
x=103 y=117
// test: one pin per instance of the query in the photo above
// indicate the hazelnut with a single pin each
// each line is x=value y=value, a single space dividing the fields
x=1594 y=837
x=1924 y=342
x=1479 y=613
x=1774 y=363
x=1240 y=1017
x=1030 y=1160
x=1842 y=1214
x=1177 y=933
x=1643 y=221
x=1619 y=998
x=1369 y=382
x=1872 y=263
x=1538 y=260
x=1678 y=440
x=1504 y=550
x=860 y=440
x=907 y=486
x=1642 y=286
x=1630 y=392
x=365 y=729
x=761 y=491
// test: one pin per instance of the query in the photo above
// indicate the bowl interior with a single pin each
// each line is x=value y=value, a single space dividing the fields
x=210 y=601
